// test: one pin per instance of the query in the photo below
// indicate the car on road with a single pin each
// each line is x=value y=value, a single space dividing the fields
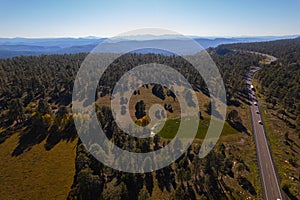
x=260 y=122
x=257 y=112
x=255 y=103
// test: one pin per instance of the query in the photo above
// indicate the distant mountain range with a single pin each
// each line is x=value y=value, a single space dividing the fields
x=11 y=47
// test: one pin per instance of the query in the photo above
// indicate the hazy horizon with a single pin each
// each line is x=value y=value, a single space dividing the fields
x=191 y=36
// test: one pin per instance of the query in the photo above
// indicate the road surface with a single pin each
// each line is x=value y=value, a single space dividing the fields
x=269 y=178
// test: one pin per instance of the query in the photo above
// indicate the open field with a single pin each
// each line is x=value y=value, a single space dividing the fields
x=37 y=173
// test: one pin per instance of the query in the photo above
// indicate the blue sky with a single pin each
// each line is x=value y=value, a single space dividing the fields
x=105 y=18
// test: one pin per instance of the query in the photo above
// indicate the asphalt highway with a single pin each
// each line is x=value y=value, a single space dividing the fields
x=269 y=178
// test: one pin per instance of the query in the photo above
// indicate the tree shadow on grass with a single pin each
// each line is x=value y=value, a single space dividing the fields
x=238 y=126
x=9 y=131
x=286 y=189
x=29 y=138
x=56 y=135
x=37 y=134
x=246 y=185
x=5 y=135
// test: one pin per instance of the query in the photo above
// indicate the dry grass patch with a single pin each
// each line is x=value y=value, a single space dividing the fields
x=37 y=173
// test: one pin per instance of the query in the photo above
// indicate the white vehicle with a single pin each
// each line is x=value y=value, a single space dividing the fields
x=257 y=112
x=255 y=103
x=260 y=122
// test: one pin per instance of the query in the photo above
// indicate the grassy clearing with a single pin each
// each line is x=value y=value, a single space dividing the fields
x=171 y=127
x=37 y=173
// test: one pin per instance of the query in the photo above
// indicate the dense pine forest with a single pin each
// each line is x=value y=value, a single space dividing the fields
x=36 y=96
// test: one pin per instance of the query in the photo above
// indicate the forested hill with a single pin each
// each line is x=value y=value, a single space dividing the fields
x=288 y=51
